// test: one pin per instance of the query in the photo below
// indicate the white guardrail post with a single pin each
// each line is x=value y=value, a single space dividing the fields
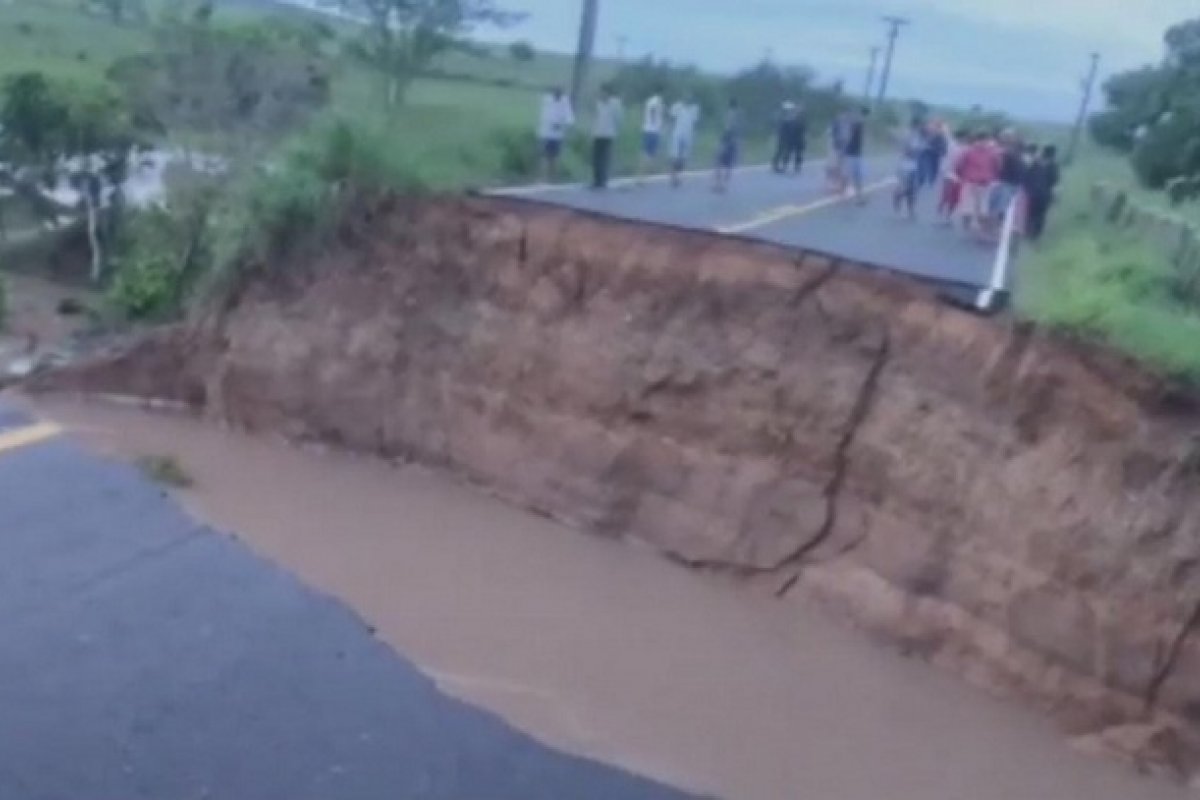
x=997 y=287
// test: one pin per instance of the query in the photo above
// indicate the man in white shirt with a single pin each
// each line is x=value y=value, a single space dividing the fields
x=652 y=127
x=605 y=127
x=555 y=120
x=685 y=115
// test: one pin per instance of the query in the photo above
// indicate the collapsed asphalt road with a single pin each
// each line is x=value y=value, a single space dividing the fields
x=797 y=211
x=147 y=656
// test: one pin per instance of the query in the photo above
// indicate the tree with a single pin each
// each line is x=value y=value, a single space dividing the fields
x=119 y=11
x=403 y=37
x=1153 y=114
x=245 y=82
x=67 y=130
x=522 y=52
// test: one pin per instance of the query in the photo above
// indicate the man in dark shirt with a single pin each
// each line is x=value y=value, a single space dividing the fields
x=1041 y=181
x=793 y=136
x=1010 y=179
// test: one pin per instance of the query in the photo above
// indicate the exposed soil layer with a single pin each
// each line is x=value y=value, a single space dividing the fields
x=1013 y=506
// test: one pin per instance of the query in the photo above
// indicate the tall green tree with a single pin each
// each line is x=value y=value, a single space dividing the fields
x=403 y=37
x=1153 y=113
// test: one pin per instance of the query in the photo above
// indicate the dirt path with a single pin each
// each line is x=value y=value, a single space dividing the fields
x=606 y=650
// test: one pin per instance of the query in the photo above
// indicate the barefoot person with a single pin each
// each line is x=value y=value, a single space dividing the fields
x=908 y=174
x=835 y=166
x=685 y=116
x=977 y=169
x=951 y=181
x=555 y=120
x=853 y=155
x=605 y=126
x=727 y=150
x=652 y=127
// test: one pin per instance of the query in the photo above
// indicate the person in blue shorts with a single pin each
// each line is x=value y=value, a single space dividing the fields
x=554 y=121
x=685 y=116
x=652 y=128
x=727 y=150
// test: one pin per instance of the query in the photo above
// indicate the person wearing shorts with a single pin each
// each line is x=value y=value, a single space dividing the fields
x=1010 y=177
x=727 y=150
x=908 y=174
x=652 y=126
x=685 y=115
x=977 y=169
x=951 y=182
x=835 y=170
x=555 y=119
x=853 y=154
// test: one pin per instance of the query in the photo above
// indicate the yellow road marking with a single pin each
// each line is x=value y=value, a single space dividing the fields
x=785 y=212
x=31 y=434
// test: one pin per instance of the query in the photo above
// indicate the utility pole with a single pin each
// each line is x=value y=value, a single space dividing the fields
x=1089 y=86
x=871 y=75
x=894 y=26
x=587 y=45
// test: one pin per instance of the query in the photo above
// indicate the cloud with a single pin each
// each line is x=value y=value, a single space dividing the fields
x=1123 y=30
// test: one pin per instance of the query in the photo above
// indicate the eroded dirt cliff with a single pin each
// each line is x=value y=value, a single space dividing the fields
x=1016 y=507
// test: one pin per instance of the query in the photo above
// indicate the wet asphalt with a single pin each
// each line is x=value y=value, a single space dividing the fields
x=796 y=210
x=148 y=656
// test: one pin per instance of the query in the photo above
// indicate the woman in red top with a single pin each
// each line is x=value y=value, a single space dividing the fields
x=977 y=169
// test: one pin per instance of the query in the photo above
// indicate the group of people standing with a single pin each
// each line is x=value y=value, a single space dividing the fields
x=981 y=175
x=673 y=126
x=984 y=177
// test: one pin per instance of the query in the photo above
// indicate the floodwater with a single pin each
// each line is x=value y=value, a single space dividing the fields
x=603 y=648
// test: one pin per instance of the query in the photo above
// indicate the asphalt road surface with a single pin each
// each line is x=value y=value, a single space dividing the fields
x=798 y=211
x=146 y=656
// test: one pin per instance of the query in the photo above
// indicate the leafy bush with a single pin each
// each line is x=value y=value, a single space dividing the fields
x=516 y=155
x=1153 y=113
x=146 y=286
x=522 y=52
x=299 y=197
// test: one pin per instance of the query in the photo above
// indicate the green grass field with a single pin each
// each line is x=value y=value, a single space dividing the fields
x=1090 y=279
x=473 y=125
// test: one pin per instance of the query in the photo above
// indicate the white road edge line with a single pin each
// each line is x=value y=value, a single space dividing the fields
x=998 y=284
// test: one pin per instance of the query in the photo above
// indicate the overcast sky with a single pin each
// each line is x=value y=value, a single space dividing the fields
x=1026 y=56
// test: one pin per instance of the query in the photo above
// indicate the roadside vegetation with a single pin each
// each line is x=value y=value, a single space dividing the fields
x=166 y=471
x=272 y=118
x=1122 y=259
x=282 y=116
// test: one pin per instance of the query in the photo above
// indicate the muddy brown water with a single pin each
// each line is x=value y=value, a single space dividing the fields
x=604 y=649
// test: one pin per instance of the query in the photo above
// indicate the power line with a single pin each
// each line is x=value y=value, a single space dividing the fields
x=1089 y=86
x=894 y=26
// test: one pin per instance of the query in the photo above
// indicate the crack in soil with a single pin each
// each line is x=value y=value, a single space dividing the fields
x=1171 y=661
x=811 y=286
x=833 y=489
